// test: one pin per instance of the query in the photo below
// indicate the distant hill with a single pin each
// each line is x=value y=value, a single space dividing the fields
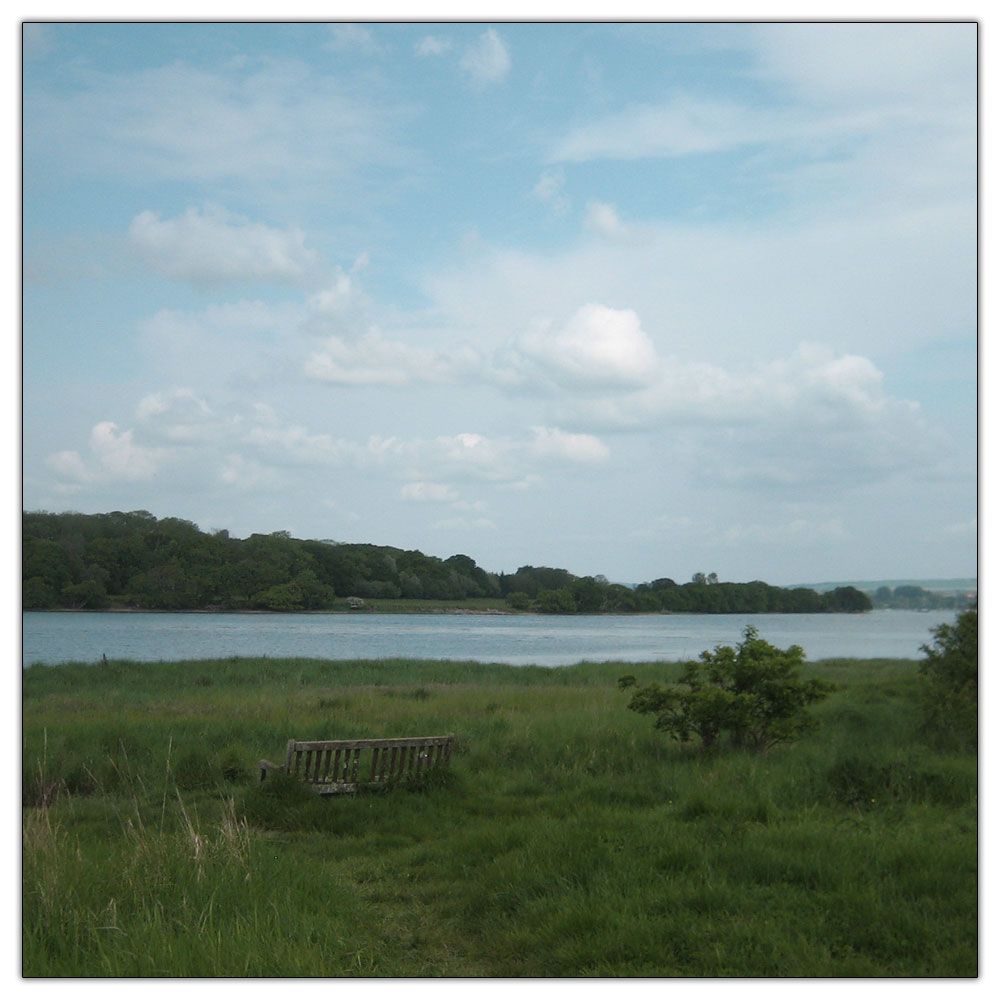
x=967 y=584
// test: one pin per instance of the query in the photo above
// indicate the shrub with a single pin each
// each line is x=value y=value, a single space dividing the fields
x=949 y=692
x=752 y=694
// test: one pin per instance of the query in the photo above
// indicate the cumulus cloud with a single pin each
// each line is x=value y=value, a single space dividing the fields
x=598 y=347
x=212 y=246
x=114 y=456
x=486 y=60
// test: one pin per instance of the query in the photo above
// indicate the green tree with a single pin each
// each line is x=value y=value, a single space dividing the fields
x=949 y=682
x=88 y=594
x=848 y=599
x=753 y=694
x=556 y=602
x=519 y=600
x=588 y=594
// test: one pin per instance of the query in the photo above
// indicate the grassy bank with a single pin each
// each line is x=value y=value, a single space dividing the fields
x=568 y=838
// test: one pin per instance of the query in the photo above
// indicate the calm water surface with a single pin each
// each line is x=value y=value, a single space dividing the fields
x=61 y=636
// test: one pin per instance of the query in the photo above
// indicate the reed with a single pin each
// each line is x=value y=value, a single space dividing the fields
x=568 y=838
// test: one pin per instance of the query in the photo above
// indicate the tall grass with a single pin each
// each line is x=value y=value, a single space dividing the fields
x=568 y=838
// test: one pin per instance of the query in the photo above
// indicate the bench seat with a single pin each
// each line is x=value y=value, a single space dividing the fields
x=332 y=767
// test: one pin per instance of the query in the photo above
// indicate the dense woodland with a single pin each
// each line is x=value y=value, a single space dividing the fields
x=135 y=560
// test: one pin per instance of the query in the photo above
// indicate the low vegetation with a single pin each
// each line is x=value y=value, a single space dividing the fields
x=567 y=838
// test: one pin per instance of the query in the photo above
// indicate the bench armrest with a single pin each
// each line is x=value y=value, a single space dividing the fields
x=266 y=765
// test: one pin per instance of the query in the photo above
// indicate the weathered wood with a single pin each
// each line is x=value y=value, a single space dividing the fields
x=333 y=766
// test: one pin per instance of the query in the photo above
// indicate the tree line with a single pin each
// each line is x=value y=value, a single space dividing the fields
x=914 y=598
x=135 y=560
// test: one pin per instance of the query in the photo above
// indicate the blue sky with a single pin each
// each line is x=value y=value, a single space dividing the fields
x=633 y=299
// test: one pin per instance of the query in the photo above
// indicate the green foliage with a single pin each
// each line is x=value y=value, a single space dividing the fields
x=752 y=694
x=556 y=602
x=950 y=682
x=518 y=600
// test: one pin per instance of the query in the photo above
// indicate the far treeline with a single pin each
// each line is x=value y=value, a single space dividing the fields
x=135 y=560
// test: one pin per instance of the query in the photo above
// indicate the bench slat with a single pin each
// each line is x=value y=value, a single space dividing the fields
x=409 y=741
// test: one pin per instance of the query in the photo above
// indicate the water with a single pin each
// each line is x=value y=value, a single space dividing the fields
x=552 y=641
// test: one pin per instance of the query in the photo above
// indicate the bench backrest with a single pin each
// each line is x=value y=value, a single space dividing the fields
x=349 y=761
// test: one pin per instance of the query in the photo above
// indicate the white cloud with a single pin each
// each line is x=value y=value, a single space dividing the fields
x=429 y=493
x=603 y=220
x=800 y=531
x=486 y=60
x=252 y=124
x=551 y=190
x=233 y=339
x=866 y=62
x=247 y=475
x=681 y=126
x=598 y=347
x=437 y=463
x=115 y=457
x=68 y=465
x=212 y=246
x=292 y=444
x=118 y=455
x=432 y=45
x=373 y=360
x=888 y=280
x=353 y=38
x=551 y=443
x=180 y=415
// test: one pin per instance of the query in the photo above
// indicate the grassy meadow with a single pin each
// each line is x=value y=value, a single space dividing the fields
x=568 y=837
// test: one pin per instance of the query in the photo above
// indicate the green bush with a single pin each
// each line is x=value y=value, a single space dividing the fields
x=949 y=692
x=752 y=693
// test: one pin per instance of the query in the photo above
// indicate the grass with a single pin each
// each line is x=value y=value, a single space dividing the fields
x=568 y=838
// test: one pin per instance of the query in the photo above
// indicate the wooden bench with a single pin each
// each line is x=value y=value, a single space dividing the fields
x=335 y=766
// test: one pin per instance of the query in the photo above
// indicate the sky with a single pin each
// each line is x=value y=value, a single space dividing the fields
x=632 y=299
